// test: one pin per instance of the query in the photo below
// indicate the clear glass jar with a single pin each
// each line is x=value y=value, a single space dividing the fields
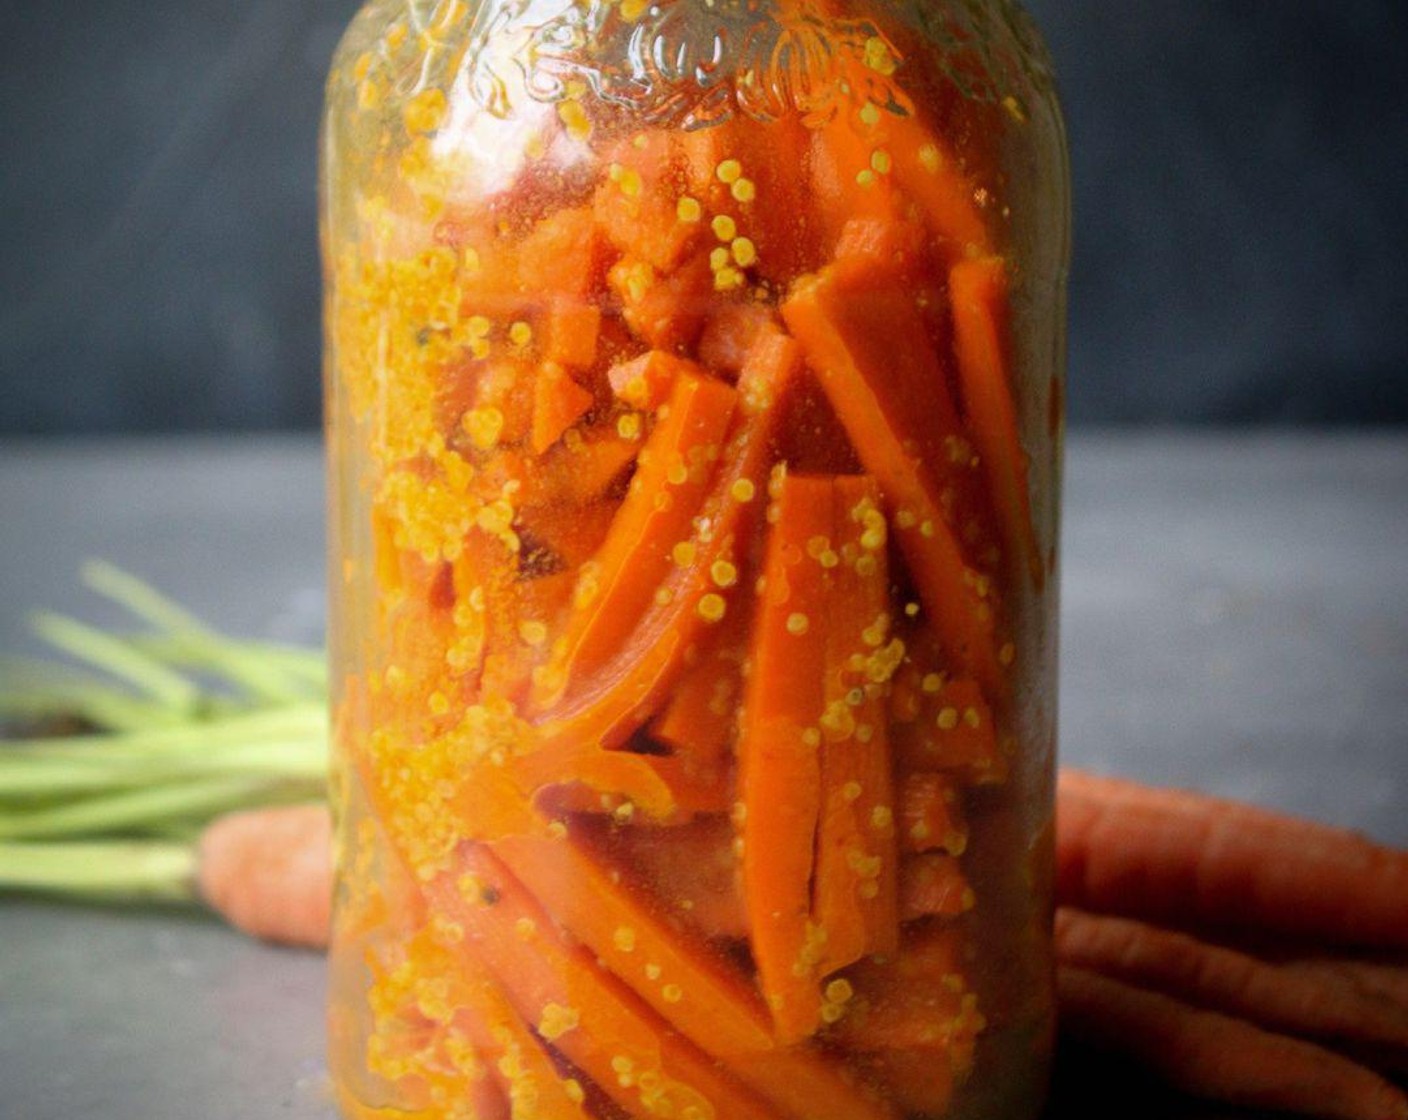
x=694 y=414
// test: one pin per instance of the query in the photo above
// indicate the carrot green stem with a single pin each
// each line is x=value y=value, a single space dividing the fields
x=121 y=659
x=136 y=809
x=101 y=871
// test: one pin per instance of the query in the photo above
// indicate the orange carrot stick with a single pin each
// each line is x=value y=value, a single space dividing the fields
x=587 y=1014
x=684 y=981
x=1218 y=979
x=854 y=896
x=779 y=765
x=627 y=691
x=978 y=292
x=645 y=382
x=698 y=994
x=952 y=731
x=869 y=349
x=1211 y=1055
x=670 y=484
x=699 y=719
x=268 y=872
x=558 y=403
x=933 y=884
x=1185 y=859
x=931 y=817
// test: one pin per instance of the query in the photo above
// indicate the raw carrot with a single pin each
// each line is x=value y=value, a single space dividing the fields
x=1189 y=860
x=637 y=205
x=1211 y=1055
x=854 y=893
x=1275 y=997
x=268 y=872
x=565 y=253
x=978 y=294
x=779 y=765
x=614 y=590
x=870 y=350
x=730 y=332
x=663 y=310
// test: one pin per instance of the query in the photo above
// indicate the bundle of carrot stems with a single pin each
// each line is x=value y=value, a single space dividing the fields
x=1235 y=953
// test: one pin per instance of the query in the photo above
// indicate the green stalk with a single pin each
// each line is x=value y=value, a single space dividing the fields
x=101 y=871
x=189 y=641
x=128 y=810
x=120 y=659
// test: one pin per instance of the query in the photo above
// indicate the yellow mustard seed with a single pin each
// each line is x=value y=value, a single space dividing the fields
x=1007 y=654
x=574 y=118
x=930 y=159
x=851 y=791
x=971 y=717
x=672 y=993
x=628 y=426
x=572 y=1089
x=743 y=490
x=745 y=253
x=718 y=258
x=947 y=719
x=557 y=830
x=880 y=161
x=723 y=573
x=811 y=737
x=724 y=227
x=425 y=111
x=629 y=182
x=712 y=607
x=652 y=971
x=624 y=939
x=882 y=818
x=726 y=279
x=743 y=190
x=684 y=553
x=483 y=426
x=729 y=171
x=869 y=114
x=839 y=991
x=520 y=334
x=556 y=1020
x=688 y=209
x=632 y=10
x=798 y=624
x=865 y=177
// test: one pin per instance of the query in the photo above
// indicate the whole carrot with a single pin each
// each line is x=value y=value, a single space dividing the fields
x=1190 y=860
x=268 y=872
x=1283 y=998
x=1212 y=1055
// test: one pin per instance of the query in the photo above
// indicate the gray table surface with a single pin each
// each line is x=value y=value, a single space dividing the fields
x=1235 y=618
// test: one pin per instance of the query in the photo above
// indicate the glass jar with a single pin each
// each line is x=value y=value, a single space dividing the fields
x=694 y=414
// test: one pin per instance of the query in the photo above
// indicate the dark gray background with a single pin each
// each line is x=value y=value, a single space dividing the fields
x=1242 y=249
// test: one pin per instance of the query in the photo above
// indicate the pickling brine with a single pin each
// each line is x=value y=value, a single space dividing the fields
x=694 y=405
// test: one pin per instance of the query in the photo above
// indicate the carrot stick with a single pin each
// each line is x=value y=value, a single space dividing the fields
x=953 y=732
x=691 y=870
x=558 y=403
x=978 y=292
x=645 y=382
x=869 y=349
x=694 y=992
x=626 y=692
x=931 y=817
x=685 y=982
x=1188 y=860
x=268 y=872
x=670 y=484
x=854 y=895
x=779 y=768
x=599 y=1024
x=1211 y=1055
x=699 y=718
x=519 y=1059
x=933 y=884
x=1218 y=979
